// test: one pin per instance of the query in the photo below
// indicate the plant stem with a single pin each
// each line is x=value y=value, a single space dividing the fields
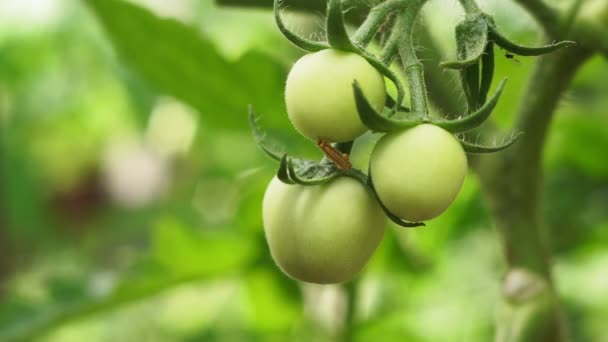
x=412 y=66
x=470 y=6
x=373 y=22
x=512 y=179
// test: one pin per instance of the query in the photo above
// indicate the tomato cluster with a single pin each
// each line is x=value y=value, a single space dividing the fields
x=326 y=233
x=323 y=220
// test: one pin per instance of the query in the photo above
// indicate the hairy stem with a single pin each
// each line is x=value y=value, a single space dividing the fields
x=414 y=70
x=375 y=19
x=469 y=6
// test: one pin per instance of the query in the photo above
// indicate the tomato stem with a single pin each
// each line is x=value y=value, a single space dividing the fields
x=470 y=7
x=375 y=19
x=414 y=70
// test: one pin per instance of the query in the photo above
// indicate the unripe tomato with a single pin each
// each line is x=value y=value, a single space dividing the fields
x=418 y=172
x=322 y=234
x=319 y=94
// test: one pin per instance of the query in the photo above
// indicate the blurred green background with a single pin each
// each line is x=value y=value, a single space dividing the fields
x=131 y=189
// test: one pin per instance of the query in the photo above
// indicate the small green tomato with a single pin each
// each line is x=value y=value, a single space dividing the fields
x=322 y=234
x=319 y=94
x=418 y=172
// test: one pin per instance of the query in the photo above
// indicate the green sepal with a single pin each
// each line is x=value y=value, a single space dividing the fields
x=475 y=119
x=367 y=181
x=273 y=149
x=471 y=40
x=337 y=36
x=487 y=72
x=376 y=121
x=306 y=172
x=283 y=173
x=302 y=43
x=470 y=83
x=475 y=148
x=508 y=45
x=392 y=76
x=392 y=103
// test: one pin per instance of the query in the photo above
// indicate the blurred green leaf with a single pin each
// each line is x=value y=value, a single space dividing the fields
x=185 y=251
x=179 y=256
x=22 y=201
x=274 y=300
x=178 y=60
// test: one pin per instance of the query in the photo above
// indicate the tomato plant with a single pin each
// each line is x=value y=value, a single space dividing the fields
x=334 y=94
x=319 y=95
x=324 y=233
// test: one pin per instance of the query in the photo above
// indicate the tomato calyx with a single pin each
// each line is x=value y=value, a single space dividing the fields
x=336 y=163
x=475 y=40
x=477 y=30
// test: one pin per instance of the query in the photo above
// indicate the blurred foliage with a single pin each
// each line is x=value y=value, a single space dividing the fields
x=109 y=234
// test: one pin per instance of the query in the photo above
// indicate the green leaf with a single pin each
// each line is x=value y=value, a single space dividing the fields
x=177 y=60
x=275 y=300
x=180 y=256
x=185 y=251
x=475 y=119
x=302 y=43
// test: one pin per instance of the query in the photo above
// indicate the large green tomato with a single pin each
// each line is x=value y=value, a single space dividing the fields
x=322 y=234
x=418 y=172
x=319 y=94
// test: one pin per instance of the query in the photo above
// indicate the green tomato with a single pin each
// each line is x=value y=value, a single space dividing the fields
x=417 y=173
x=319 y=94
x=325 y=233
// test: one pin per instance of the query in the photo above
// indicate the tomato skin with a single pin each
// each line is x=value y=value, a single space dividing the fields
x=417 y=173
x=322 y=234
x=319 y=94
